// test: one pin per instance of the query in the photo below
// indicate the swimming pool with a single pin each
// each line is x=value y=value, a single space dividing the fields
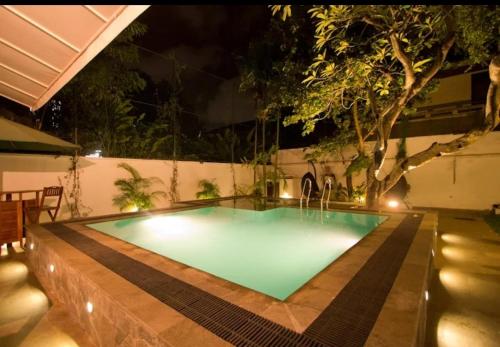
x=274 y=252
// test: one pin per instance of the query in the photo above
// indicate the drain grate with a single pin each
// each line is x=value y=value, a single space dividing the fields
x=350 y=317
x=230 y=322
x=347 y=321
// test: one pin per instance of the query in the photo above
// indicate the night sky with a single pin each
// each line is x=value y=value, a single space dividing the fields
x=209 y=39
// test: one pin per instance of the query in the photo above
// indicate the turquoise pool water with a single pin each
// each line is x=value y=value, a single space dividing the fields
x=274 y=252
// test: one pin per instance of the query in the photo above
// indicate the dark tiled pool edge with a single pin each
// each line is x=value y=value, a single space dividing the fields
x=350 y=317
x=347 y=321
x=226 y=320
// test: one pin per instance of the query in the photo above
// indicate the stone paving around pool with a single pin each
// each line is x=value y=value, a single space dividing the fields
x=157 y=324
x=27 y=317
x=464 y=306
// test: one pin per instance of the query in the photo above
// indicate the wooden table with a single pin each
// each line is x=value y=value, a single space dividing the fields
x=24 y=202
x=8 y=194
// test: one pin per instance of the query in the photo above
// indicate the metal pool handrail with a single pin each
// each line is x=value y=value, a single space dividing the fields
x=308 y=194
x=329 y=184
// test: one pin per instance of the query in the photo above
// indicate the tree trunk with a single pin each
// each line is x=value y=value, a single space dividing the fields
x=255 y=138
x=372 y=187
x=276 y=191
x=348 y=182
x=377 y=188
x=264 y=162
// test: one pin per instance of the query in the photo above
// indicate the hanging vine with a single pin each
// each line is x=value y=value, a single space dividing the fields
x=73 y=200
x=173 y=194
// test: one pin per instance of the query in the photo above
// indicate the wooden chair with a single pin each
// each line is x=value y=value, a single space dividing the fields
x=11 y=222
x=33 y=212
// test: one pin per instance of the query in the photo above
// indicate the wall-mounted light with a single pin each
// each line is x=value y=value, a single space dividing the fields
x=32 y=246
x=52 y=268
x=393 y=203
x=426 y=295
x=90 y=307
x=96 y=154
x=285 y=195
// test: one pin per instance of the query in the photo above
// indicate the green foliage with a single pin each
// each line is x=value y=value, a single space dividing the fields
x=355 y=59
x=100 y=102
x=135 y=190
x=217 y=146
x=209 y=190
x=374 y=63
x=361 y=162
x=359 y=193
x=275 y=65
x=73 y=200
x=478 y=32
x=286 y=10
x=96 y=100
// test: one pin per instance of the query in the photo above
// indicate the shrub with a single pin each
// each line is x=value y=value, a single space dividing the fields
x=209 y=190
x=134 y=190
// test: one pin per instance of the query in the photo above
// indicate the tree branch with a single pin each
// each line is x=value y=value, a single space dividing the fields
x=435 y=67
x=373 y=22
x=370 y=132
x=404 y=60
x=357 y=126
x=491 y=121
x=373 y=102
x=392 y=112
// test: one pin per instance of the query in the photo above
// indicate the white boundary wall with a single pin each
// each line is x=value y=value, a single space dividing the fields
x=97 y=175
x=469 y=179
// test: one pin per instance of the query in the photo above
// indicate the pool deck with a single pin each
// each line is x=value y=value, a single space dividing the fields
x=79 y=278
x=28 y=318
x=464 y=304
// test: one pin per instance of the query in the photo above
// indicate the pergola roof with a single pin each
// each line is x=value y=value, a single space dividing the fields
x=43 y=46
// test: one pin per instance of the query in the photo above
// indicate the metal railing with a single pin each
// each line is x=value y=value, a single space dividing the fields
x=303 y=192
x=328 y=184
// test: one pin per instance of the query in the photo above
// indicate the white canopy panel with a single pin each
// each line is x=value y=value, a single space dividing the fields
x=42 y=47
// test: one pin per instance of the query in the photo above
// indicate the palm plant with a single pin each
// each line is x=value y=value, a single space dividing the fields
x=209 y=190
x=134 y=190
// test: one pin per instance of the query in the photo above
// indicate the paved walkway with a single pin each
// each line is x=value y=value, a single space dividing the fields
x=464 y=305
x=27 y=318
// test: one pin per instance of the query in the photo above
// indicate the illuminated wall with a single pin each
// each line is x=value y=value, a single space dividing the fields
x=466 y=180
x=21 y=172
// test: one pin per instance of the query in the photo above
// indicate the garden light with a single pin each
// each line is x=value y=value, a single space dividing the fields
x=285 y=195
x=89 y=307
x=393 y=203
